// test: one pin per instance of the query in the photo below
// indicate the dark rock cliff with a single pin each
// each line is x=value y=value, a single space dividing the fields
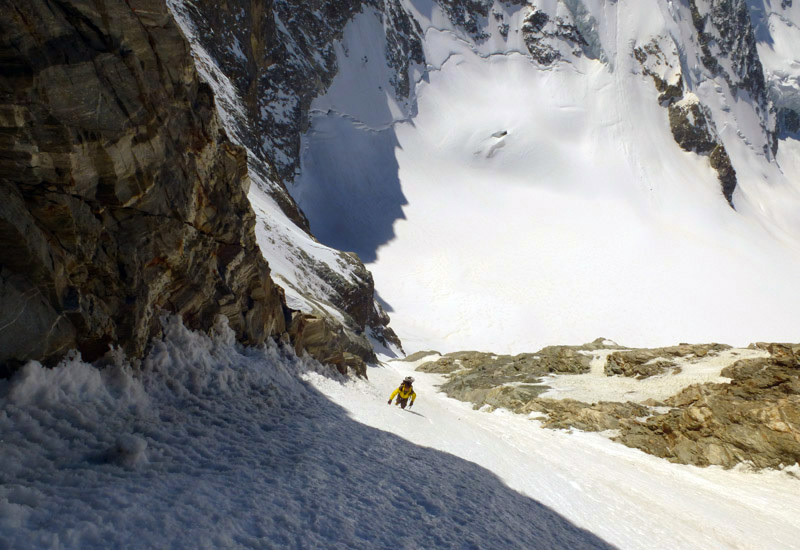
x=122 y=195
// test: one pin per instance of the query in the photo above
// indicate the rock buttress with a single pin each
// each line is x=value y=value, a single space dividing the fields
x=122 y=196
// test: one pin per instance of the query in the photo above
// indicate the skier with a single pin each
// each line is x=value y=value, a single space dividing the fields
x=405 y=391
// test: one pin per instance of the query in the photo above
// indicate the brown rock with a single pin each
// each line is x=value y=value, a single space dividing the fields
x=122 y=195
x=509 y=381
x=755 y=418
x=326 y=342
x=594 y=417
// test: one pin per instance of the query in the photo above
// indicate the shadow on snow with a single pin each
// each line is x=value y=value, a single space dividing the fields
x=349 y=185
x=239 y=473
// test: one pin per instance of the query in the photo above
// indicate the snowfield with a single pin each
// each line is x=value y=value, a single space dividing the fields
x=216 y=446
x=517 y=206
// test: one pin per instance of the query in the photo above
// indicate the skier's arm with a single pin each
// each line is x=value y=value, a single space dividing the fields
x=395 y=392
x=413 y=396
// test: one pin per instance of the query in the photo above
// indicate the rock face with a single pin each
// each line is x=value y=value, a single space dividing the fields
x=327 y=342
x=123 y=196
x=755 y=418
x=509 y=381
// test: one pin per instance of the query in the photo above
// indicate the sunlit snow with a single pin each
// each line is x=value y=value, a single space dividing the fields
x=526 y=206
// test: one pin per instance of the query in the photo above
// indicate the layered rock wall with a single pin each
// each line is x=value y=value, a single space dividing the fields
x=122 y=195
x=755 y=418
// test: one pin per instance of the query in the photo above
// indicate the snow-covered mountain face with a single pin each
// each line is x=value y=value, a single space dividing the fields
x=266 y=61
x=564 y=169
x=516 y=174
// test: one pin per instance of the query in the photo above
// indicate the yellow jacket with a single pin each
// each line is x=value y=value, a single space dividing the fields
x=404 y=392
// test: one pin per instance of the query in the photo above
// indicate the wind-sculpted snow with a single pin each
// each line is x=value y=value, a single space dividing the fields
x=211 y=445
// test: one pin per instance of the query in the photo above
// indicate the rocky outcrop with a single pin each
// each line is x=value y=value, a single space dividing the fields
x=644 y=363
x=123 y=196
x=566 y=414
x=500 y=380
x=754 y=419
x=469 y=15
x=690 y=121
x=544 y=36
x=328 y=343
x=693 y=130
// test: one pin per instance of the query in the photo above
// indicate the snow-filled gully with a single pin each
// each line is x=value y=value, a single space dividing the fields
x=626 y=497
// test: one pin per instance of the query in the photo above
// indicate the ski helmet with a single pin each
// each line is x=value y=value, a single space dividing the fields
x=409 y=380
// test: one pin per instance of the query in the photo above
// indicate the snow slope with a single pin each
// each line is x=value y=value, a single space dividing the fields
x=518 y=205
x=525 y=206
x=629 y=499
x=214 y=446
